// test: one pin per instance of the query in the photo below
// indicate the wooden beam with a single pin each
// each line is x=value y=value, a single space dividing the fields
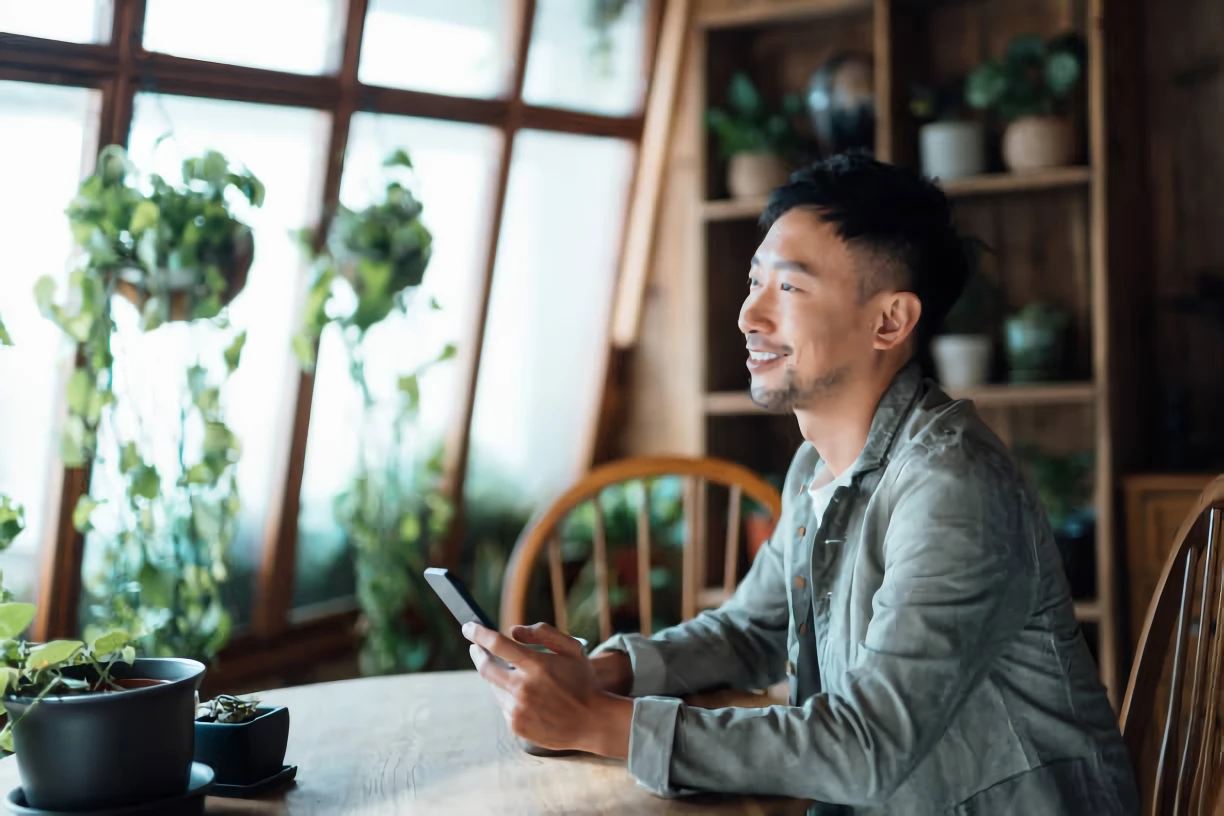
x=458 y=439
x=648 y=183
x=274 y=596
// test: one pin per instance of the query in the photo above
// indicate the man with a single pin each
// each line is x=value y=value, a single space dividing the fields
x=912 y=594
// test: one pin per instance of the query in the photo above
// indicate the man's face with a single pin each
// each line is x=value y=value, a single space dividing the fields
x=805 y=319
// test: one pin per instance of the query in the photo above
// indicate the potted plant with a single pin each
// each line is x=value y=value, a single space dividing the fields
x=1029 y=89
x=180 y=253
x=244 y=743
x=1035 y=343
x=950 y=146
x=962 y=348
x=1063 y=484
x=755 y=141
x=79 y=746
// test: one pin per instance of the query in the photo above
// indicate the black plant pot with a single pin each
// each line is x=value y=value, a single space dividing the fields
x=109 y=750
x=244 y=753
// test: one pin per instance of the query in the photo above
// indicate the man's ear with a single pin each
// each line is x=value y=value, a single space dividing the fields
x=896 y=319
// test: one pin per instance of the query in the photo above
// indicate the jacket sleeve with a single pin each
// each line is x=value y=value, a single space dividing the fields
x=741 y=644
x=959 y=579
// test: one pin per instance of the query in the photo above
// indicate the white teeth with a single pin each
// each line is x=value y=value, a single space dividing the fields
x=762 y=355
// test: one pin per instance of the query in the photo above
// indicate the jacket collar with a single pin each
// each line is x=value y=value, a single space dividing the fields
x=892 y=411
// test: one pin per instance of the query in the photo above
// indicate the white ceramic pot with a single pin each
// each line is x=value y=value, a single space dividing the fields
x=952 y=150
x=1037 y=142
x=751 y=175
x=961 y=360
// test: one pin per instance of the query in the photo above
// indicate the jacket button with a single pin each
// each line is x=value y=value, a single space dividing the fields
x=790 y=667
x=799 y=583
x=802 y=488
x=802 y=531
x=803 y=628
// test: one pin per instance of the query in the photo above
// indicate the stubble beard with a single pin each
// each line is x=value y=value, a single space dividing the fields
x=794 y=394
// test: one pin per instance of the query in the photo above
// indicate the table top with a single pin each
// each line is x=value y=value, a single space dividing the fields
x=436 y=743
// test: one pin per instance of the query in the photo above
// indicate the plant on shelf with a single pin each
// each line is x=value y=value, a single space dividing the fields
x=756 y=142
x=178 y=253
x=370 y=266
x=951 y=146
x=226 y=708
x=962 y=346
x=1030 y=88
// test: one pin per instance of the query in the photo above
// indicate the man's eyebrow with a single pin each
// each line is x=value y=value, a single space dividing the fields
x=785 y=265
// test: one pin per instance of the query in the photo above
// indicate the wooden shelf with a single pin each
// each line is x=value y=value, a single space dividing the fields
x=1087 y=611
x=735 y=403
x=729 y=13
x=745 y=209
x=1016 y=395
x=1003 y=183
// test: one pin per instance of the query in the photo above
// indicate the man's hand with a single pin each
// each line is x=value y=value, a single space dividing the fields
x=553 y=700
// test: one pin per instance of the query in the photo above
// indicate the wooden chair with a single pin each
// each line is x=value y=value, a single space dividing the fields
x=697 y=474
x=1186 y=612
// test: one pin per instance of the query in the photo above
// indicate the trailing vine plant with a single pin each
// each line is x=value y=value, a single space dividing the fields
x=371 y=267
x=178 y=253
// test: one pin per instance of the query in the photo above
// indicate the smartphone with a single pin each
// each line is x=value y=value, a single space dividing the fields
x=459 y=601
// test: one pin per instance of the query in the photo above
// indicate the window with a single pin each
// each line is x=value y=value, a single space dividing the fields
x=438 y=78
x=455 y=165
x=53 y=130
x=587 y=55
x=79 y=21
x=548 y=313
x=280 y=145
x=440 y=46
x=282 y=35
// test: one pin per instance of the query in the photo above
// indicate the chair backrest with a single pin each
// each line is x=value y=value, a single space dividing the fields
x=696 y=475
x=1172 y=708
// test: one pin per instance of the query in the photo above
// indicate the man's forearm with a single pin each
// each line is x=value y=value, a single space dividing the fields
x=614 y=672
x=610 y=725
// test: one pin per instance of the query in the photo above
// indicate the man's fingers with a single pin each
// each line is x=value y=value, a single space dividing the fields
x=548 y=636
x=488 y=668
x=497 y=643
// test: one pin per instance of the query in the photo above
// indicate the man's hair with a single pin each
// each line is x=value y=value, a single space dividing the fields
x=899 y=221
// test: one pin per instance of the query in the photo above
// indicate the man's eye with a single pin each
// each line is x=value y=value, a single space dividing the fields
x=751 y=281
x=786 y=287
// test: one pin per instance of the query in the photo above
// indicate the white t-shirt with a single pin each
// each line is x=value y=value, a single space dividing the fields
x=822 y=494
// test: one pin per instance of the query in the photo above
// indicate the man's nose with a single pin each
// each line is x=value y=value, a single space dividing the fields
x=754 y=316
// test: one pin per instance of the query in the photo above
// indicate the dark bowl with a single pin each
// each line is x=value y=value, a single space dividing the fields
x=244 y=753
x=109 y=750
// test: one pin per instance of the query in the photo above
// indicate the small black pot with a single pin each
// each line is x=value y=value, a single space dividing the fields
x=109 y=750
x=244 y=753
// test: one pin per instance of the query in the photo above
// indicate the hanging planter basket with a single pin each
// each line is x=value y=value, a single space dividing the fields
x=188 y=287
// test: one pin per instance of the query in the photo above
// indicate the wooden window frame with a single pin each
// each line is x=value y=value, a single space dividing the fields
x=121 y=68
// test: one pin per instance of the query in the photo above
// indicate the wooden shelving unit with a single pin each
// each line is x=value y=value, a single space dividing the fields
x=1047 y=229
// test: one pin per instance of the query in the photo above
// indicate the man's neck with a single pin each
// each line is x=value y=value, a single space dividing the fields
x=838 y=424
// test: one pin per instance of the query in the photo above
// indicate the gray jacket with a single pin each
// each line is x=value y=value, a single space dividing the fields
x=927 y=633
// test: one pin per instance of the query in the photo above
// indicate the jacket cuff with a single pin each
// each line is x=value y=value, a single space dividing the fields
x=649 y=669
x=651 y=737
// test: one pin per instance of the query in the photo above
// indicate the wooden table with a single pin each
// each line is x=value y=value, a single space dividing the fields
x=436 y=743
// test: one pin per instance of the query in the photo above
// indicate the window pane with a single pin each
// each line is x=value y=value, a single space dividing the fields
x=455 y=166
x=285 y=148
x=81 y=21
x=548 y=316
x=53 y=129
x=587 y=55
x=281 y=35
x=440 y=46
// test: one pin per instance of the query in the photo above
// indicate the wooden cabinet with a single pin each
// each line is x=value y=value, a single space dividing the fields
x=1156 y=505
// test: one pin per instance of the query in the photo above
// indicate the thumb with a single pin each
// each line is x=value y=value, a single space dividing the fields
x=548 y=636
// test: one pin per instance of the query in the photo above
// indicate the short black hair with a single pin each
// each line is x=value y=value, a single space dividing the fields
x=902 y=220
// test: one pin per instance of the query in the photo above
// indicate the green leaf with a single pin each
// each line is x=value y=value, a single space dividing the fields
x=155 y=587
x=152 y=316
x=304 y=348
x=129 y=458
x=434 y=304
x=744 y=98
x=112 y=641
x=410 y=387
x=448 y=352
x=9 y=677
x=410 y=528
x=80 y=514
x=198 y=474
x=6 y=737
x=12 y=522
x=146 y=483
x=233 y=354
x=54 y=653
x=80 y=388
x=1026 y=48
x=128 y=655
x=14 y=618
x=5 y=338
x=44 y=294
x=398 y=159
x=209 y=400
x=145 y=216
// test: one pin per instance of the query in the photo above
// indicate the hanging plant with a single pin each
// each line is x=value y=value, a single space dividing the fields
x=180 y=254
x=393 y=508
